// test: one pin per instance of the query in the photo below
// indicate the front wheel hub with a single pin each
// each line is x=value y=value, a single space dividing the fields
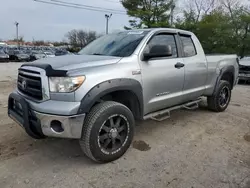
x=224 y=96
x=113 y=133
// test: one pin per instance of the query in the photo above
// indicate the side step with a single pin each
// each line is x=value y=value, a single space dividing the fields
x=165 y=114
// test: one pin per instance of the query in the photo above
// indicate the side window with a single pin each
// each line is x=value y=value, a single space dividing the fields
x=188 y=46
x=164 y=39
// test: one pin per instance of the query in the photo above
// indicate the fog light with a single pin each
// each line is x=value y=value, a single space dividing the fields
x=56 y=126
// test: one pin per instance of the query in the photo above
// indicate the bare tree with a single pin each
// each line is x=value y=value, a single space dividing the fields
x=233 y=7
x=72 y=37
x=80 y=38
x=200 y=7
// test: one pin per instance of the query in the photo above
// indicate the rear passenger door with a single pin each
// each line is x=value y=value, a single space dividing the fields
x=195 y=68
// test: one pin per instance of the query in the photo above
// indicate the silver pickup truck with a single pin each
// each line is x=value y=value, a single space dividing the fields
x=96 y=96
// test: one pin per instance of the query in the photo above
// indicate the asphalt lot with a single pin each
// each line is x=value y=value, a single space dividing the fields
x=193 y=149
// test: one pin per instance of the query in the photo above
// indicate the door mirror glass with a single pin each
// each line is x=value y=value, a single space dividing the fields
x=158 y=51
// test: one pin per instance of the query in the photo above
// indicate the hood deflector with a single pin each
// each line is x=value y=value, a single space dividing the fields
x=48 y=69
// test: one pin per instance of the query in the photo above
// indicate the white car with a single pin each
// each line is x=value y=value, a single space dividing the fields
x=49 y=54
x=244 y=72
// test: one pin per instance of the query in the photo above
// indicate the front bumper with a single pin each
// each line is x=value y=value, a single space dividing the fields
x=39 y=125
x=4 y=59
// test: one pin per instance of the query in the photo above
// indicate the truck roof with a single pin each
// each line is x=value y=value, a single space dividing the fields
x=164 y=29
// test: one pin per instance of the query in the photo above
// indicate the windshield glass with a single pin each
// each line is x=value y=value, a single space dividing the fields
x=2 y=52
x=121 y=44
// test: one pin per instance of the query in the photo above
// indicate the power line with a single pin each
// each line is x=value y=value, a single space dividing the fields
x=88 y=6
x=79 y=7
x=112 y=1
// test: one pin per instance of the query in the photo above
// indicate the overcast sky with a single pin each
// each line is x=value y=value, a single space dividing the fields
x=50 y=22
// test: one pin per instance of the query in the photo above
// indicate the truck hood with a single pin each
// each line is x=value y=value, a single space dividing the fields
x=245 y=63
x=71 y=62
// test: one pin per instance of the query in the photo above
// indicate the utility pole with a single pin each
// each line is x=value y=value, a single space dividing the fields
x=16 y=23
x=172 y=15
x=107 y=22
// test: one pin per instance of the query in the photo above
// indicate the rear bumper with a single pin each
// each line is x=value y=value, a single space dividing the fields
x=39 y=125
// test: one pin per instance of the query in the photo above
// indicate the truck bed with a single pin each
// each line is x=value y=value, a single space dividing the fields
x=215 y=61
x=213 y=58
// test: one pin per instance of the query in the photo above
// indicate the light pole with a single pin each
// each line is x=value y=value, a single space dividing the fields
x=16 y=23
x=107 y=22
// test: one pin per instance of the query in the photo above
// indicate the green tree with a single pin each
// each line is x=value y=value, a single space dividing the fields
x=149 y=13
x=222 y=26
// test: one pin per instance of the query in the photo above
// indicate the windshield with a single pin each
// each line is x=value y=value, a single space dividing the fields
x=121 y=44
x=2 y=52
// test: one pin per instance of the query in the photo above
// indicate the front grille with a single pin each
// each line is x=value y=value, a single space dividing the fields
x=244 y=69
x=29 y=83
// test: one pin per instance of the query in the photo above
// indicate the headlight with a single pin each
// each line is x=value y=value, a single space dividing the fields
x=65 y=84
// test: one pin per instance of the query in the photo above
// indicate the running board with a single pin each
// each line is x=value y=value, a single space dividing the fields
x=165 y=114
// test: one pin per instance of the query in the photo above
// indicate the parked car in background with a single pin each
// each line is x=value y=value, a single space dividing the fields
x=3 y=56
x=244 y=69
x=49 y=54
x=35 y=55
x=18 y=55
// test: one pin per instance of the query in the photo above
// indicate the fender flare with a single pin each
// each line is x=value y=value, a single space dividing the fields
x=228 y=69
x=110 y=86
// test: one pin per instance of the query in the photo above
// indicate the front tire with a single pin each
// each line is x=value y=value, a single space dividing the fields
x=107 y=132
x=221 y=98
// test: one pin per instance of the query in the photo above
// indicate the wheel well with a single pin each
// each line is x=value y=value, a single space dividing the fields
x=228 y=76
x=127 y=98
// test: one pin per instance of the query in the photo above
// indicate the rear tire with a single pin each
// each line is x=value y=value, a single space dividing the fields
x=221 y=98
x=107 y=132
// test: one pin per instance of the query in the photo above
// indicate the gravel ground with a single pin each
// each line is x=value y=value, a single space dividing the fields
x=193 y=149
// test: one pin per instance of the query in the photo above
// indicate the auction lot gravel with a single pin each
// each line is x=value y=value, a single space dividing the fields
x=192 y=149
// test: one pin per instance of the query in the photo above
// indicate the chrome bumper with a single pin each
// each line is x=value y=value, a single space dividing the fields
x=71 y=125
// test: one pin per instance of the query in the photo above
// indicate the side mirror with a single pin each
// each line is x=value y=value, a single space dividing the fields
x=158 y=51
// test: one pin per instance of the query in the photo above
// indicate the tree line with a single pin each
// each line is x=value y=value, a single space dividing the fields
x=223 y=26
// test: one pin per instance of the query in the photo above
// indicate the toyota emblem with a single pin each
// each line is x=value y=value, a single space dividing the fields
x=24 y=84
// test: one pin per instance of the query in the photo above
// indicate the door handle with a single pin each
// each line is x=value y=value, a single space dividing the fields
x=179 y=65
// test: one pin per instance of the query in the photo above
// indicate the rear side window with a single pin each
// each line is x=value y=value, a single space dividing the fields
x=164 y=39
x=188 y=46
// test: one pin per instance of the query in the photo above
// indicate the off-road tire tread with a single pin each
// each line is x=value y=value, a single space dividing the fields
x=94 y=113
x=212 y=100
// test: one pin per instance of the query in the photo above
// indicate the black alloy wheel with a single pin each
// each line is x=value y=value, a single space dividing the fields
x=113 y=134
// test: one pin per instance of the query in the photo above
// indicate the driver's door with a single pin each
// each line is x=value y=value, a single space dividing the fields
x=162 y=79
